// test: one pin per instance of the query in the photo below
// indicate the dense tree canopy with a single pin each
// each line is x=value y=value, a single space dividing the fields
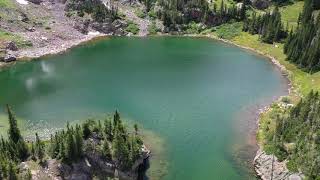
x=111 y=141
x=303 y=46
x=175 y=12
x=297 y=136
x=269 y=26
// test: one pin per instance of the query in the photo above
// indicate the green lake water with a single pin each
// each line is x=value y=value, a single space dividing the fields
x=200 y=96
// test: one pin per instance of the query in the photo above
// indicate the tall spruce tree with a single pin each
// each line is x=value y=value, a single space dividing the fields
x=39 y=148
x=14 y=132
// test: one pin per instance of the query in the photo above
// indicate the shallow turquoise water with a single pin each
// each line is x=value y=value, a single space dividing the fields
x=195 y=93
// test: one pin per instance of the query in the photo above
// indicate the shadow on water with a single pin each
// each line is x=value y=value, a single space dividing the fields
x=142 y=171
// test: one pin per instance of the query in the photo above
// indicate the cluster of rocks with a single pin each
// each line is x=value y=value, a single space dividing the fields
x=269 y=167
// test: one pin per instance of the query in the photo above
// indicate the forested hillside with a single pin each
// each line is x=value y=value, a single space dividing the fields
x=269 y=26
x=107 y=146
x=293 y=134
x=303 y=45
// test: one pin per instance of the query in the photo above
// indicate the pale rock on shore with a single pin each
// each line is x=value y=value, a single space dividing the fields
x=268 y=167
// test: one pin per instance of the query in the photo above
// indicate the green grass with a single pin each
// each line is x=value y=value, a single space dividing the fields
x=7 y=36
x=229 y=31
x=192 y=28
x=267 y=127
x=7 y=4
x=132 y=27
x=140 y=13
x=218 y=3
x=153 y=28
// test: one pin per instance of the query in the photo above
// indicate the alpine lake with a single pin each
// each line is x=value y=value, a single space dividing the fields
x=196 y=99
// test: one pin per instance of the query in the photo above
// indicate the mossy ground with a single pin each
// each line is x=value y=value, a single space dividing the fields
x=290 y=13
x=7 y=4
x=7 y=37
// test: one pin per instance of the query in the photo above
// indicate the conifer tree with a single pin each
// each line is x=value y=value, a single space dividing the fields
x=33 y=151
x=12 y=172
x=39 y=148
x=116 y=118
x=79 y=141
x=108 y=129
x=106 y=150
x=136 y=129
x=70 y=148
x=86 y=130
x=302 y=47
x=14 y=132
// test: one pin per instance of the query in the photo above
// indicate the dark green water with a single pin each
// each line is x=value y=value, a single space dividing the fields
x=197 y=94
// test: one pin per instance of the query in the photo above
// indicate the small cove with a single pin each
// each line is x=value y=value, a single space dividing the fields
x=193 y=92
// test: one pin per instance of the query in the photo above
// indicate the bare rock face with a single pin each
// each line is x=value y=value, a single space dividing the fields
x=12 y=46
x=261 y=4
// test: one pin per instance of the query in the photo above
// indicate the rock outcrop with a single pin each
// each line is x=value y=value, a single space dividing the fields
x=267 y=166
x=9 y=57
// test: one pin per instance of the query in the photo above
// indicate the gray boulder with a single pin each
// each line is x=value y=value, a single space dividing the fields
x=9 y=58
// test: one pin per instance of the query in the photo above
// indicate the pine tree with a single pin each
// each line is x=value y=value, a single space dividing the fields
x=86 y=130
x=108 y=129
x=79 y=142
x=39 y=148
x=14 y=132
x=12 y=172
x=33 y=151
x=136 y=129
x=106 y=150
x=302 y=47
x=116 y=118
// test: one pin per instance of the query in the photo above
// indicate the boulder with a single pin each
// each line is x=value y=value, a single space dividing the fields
x=31 y=29
x=261 y=4
x=10 y=58
x=12 y=46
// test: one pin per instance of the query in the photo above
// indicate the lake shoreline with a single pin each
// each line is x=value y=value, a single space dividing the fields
x=260 y=169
